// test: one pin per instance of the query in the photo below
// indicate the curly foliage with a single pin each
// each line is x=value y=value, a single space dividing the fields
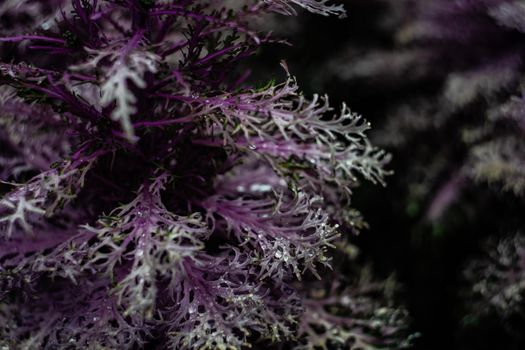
x=150 y=195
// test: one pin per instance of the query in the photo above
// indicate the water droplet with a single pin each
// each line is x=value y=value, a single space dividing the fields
x=345 y=301
x=381 y=312
x=252 y=147
x=260 y=188
x=376 y=324
x=278 y=254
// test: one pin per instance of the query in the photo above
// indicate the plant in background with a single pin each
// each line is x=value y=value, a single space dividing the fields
x=452 y=70
x=151 y=196
x=496 y=284
x=498 y=277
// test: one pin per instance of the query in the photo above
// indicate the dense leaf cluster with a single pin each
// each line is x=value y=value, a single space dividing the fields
x=151 y=196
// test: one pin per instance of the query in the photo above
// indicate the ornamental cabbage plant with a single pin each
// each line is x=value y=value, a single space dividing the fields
x=152 y=196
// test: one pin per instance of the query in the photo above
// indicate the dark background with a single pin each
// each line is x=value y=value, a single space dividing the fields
x=427 y=258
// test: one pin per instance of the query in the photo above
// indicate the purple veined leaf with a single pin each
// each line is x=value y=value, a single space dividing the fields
x=321 y=7
x=161 y=242
x=42 y=196
x=222 y=303
x=283 y=236
x=34 y=153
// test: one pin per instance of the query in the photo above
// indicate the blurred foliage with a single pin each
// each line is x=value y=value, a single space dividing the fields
x=442 y=84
